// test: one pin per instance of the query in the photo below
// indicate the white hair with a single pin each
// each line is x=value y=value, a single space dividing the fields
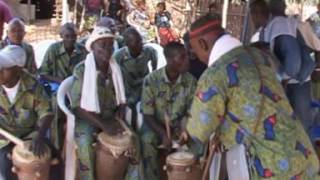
x=15 y=21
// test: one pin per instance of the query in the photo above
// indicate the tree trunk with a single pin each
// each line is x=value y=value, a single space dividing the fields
x=225 y=13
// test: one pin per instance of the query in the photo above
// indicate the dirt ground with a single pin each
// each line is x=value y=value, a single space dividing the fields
x=42 y=30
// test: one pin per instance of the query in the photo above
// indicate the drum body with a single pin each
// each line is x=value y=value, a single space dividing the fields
x=182 y=166
x=112 y=156
x=30 y=167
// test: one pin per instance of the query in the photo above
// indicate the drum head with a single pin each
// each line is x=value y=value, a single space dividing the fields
x=22 y=154
x=181 y=159
x=119 y=141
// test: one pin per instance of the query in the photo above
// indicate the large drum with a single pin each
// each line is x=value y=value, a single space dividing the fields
x=182 y=166
x=27 y=166
x=112 y=155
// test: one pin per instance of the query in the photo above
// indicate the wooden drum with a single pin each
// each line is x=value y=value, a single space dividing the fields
x=182 y=166
x=27 y=166
x=112 y=155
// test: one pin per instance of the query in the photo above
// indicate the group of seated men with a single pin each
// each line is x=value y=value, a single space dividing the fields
x=238 y=98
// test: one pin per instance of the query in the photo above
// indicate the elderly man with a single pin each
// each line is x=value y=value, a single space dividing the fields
x=240 y=100
x=97 y=94
x=168 y=90
x=63 y=56
x=25 y=108
x=58 y=64
x=15 y=35
x=133 y=60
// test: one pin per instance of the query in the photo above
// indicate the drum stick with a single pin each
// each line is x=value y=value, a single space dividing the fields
x=208 y=163
x=167 y=124
x=11 y=137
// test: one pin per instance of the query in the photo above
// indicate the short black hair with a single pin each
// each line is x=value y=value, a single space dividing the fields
x=69 y=27
x=260 y=6
x=277 y=7
x=171 y=49
x=130 y=31
x=204 y=20
x=162 y=4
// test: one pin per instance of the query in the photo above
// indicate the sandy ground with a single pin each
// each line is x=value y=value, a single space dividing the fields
x=42 y=30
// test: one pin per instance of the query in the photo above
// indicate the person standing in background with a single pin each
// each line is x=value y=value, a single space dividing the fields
x=5 y=16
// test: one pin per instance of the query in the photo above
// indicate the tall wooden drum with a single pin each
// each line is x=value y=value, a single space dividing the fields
x=112 y=155
x=27 y=166
x=182 y=166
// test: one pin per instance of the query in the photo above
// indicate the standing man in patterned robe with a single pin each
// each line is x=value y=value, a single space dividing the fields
x=240 y=98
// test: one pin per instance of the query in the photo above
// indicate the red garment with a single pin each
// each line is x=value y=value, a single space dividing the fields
x=167 y=35
x=94 y=5
x=5 y=16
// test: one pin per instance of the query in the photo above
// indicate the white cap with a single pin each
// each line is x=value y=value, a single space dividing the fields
x=98 y=32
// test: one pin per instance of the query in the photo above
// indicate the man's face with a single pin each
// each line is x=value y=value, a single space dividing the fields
x=102 y=50
x=16 y=33
x=180 y=62
x=201 y=53
x=9 y=74
x=134 y=43
x=69 y=38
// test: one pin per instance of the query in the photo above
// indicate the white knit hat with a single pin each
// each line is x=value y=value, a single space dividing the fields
x=98 y=32
x=11 y=56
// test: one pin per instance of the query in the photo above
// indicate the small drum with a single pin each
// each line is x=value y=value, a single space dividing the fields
x=27 y=166
x=182 y=166
x=112 y=155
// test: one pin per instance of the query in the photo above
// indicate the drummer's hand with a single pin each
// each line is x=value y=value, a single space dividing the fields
x=38 y=146
x=166 y=142
x=184 y=137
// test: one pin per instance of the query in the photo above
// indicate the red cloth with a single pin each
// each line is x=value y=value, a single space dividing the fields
x=5 y=16
x=167 y=35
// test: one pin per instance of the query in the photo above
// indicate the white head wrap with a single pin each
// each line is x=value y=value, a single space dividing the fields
x=11 y=56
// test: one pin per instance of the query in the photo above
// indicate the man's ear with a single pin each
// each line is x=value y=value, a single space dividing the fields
x=203 y=44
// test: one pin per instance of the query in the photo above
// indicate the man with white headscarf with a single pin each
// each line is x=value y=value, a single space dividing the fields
x=24 y=106
x=97 y=97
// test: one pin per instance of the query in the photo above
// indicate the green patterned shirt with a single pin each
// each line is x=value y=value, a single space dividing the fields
x=58 y=63
x=31 y=104
x=134 y=70
x=228 y=100
x=160 y=95
x=106 y=92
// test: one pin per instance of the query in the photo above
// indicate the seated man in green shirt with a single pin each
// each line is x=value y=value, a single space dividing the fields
x=15 y=36
x=58 y=64
x=24 y=106
x=168 y=90
x=61 y=57
x=133 y=60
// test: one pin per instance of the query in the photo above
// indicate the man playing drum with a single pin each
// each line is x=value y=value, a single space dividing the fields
x=24 y=106
x=240 y=99
x=168 y=90
x=97 y=94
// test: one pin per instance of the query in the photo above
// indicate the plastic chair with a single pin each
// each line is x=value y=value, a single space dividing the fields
x=70 y=164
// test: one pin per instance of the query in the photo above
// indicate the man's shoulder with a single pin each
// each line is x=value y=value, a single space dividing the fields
x=54 y=47
x=78 y=70
x=189 y=78
x=155 y=77
x=120 y=53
